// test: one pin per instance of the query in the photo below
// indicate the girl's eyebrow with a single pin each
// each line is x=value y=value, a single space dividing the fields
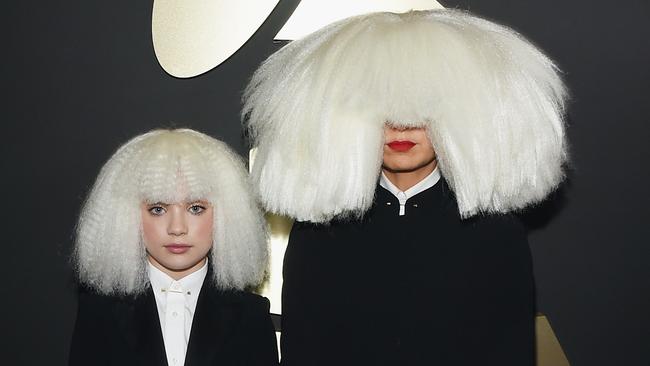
x=164 y=204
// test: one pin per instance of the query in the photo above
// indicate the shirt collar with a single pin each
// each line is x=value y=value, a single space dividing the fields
x=426 y=183
x=190 y=284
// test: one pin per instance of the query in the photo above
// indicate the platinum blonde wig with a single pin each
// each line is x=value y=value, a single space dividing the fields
x=169 y=166
x=493 y=105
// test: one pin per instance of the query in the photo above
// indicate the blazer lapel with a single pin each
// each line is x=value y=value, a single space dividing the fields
x=215 y=318
x=138 y=317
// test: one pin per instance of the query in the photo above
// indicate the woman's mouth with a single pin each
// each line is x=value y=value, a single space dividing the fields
x=178 y=248
x=401 y=146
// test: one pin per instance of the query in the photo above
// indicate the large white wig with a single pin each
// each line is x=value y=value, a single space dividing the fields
x=169 y=166
x=493 y=105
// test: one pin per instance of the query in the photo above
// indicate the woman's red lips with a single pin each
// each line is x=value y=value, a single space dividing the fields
x=401 y=146
x=178 y=248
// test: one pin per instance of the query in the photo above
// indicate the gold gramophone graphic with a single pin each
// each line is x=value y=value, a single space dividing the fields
x=192 y=37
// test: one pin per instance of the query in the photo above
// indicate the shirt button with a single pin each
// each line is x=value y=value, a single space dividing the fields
x=174 y=314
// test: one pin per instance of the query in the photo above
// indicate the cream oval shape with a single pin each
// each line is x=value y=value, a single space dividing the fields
x=191 y=37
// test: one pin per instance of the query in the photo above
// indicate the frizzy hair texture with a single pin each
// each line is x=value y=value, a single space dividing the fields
x=169 y=166
x=492 y=103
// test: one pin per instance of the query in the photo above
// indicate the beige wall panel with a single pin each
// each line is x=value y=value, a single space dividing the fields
x=311 y=15
x=191 y=37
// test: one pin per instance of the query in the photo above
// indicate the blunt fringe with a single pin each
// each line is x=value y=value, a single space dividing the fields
x=493 y=105
x=169 y=166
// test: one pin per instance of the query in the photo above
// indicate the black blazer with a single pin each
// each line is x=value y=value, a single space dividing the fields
x=426 y=288
x=228 y=328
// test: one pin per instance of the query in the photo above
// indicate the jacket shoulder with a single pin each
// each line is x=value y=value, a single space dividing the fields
x=245 y=298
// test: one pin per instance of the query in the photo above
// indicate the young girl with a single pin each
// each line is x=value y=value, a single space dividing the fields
x=167 y=241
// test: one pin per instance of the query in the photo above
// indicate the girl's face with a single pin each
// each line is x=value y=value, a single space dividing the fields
x=177 y=236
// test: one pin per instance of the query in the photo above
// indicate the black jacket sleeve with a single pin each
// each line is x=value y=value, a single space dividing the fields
x=503 y=330
x=88 y=340
x=262 y=334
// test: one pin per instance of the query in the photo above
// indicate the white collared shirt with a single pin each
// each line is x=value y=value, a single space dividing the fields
x=402 y=196
x=190 y=287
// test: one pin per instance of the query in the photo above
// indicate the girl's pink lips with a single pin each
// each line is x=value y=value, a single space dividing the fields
x=401 y=145
x=178 y=248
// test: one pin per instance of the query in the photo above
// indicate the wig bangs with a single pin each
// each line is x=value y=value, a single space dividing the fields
x=173 y=169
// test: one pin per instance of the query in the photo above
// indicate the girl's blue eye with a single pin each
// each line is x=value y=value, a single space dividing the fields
x=157 y=210
x=196 y=209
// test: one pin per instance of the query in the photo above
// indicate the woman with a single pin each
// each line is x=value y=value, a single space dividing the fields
x=167 y=241
x=401 y=143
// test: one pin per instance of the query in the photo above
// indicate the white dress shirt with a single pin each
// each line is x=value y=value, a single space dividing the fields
x=426 y=183
x=176 y=302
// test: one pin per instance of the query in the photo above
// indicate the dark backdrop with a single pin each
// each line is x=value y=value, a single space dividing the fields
x=81 y=78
